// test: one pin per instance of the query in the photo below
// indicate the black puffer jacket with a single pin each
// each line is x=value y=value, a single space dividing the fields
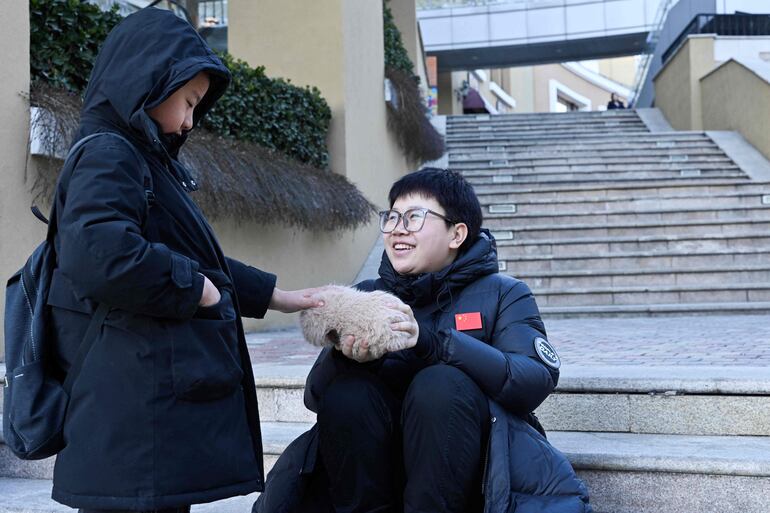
x=524 y=473
x=164 y=412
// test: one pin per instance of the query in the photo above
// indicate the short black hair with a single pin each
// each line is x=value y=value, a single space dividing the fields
x=453 y=192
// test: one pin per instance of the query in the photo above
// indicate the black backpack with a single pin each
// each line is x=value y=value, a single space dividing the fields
x=35 y=402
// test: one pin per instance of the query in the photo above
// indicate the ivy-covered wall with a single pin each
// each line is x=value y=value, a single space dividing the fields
x=66 y=35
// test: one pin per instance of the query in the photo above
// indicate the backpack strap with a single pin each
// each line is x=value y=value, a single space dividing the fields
x=146 y=181
x=85 y=346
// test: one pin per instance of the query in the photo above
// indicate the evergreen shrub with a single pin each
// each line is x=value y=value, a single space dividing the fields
x=396 y=56
x=65 y=37
x=273 y=113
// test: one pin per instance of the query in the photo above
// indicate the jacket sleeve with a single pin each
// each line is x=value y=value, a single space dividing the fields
x=253 y=287
x=101 y=247
x=508 y=369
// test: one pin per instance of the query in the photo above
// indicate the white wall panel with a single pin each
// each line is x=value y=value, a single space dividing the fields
x=545 y=22
x=508 y=25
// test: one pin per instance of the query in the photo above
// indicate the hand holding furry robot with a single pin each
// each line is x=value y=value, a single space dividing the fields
x=363 y=325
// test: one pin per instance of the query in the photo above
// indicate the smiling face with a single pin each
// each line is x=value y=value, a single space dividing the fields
x=429 y=250
x=175 y=114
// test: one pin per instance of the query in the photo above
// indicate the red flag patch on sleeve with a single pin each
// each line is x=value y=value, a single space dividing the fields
x=468 y=321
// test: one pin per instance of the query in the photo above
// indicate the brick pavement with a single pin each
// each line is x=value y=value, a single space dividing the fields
x=651 y=341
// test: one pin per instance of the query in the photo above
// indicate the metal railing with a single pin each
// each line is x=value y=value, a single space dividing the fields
x=652 y=42
x=448 y=4
x=212 y=12
x=721 y=25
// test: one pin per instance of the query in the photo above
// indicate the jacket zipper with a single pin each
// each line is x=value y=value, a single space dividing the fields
x=486 y=458
x=31 y=321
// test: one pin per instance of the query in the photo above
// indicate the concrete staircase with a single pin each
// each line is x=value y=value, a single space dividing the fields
x=663 y=440
x=600 y=216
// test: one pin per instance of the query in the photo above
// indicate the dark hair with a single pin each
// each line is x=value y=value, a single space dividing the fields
x=455 y=195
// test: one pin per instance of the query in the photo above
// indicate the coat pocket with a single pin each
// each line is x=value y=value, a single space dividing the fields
x=204 y=352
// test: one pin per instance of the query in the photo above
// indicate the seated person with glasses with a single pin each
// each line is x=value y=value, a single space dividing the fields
x=445 y=425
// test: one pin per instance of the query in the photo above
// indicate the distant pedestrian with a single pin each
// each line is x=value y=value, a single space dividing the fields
x=615 y=102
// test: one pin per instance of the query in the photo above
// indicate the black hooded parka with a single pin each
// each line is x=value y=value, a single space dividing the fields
x=164 y=411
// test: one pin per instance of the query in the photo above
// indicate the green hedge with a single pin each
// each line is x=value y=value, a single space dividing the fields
x=65 y=37
x=273 y=113
x=396 y=56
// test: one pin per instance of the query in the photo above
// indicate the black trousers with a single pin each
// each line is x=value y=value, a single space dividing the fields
x=423 y=453
x=182 y=509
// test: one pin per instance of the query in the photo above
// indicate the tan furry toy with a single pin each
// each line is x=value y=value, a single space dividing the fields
x=348 y=311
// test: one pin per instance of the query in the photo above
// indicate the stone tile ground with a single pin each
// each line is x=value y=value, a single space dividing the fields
x=646 y=341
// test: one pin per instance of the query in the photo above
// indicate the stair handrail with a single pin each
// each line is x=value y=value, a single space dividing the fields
x=652 y=42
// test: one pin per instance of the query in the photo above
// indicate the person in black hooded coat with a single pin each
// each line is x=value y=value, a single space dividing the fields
x=164 y=411
x=447 y=425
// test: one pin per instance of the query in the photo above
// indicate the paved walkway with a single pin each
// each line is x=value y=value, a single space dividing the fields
x=661 y=341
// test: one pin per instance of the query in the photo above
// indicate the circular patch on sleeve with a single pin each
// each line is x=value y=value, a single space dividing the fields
x=547 y=353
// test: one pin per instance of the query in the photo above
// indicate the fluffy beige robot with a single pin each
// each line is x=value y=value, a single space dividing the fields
x=365 y=315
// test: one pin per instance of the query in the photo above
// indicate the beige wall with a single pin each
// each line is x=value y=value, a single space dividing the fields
x=735 y=98
x=621 y=69
x=542 y=76
x=677 y=84
x=448 y=83
x=405 y=16
x=20 y=232
x=522 y=88
x=331 y=45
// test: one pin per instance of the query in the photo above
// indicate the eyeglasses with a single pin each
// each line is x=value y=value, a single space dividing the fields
x=414 y=219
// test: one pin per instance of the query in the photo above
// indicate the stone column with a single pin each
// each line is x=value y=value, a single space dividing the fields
x=337 y=46
x=20 y=232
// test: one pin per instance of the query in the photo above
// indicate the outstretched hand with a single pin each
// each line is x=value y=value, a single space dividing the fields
x=290 y=301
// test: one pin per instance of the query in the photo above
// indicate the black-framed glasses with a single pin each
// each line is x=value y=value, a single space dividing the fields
x=414 y=219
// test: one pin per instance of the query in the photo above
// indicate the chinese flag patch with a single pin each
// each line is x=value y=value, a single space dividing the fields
x=468 y=321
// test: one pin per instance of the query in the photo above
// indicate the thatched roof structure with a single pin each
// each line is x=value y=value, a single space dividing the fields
x=237 y=179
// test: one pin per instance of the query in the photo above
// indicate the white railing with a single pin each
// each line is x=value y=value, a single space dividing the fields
x=652 y=42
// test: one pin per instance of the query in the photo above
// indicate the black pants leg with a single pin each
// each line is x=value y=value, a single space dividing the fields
x=445 y=420
x=359 y=439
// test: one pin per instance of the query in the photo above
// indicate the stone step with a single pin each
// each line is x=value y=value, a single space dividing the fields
x=583 y=156
x=529 y=179
x=705 y=401
x=611 y=114
x=538 y=128
x=586 y=141
x=592 y=164
x=510 y=250
x=582 y=141
x=650 y=295
x=703 y=147
x=34 y=496
x=493 y=205
x=677 y=309
x=577 y=147
x=499 y=222
x=654 y=277
x=633 y=261
x=550 y=231
x=501 y=192
x=554 y=133
x=634 y=473
x=606 y=167
x=533 y=197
